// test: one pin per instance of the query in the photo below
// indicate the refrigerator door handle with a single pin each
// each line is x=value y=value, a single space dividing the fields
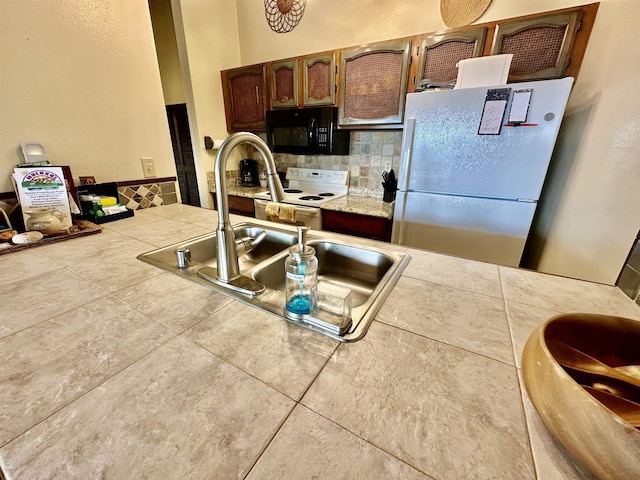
x=398 y=233
x=407 y=151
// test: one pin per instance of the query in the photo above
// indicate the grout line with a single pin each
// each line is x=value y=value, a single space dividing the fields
x=378 y=447
x=90 y=389
x=297 y=402
x=521 y=386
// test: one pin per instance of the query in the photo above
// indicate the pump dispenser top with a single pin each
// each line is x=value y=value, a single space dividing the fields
x=302 y=238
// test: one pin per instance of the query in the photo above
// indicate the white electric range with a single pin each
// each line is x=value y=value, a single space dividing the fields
x=308 y=189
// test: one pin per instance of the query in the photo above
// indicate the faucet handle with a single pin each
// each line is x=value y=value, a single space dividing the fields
x=183 y=257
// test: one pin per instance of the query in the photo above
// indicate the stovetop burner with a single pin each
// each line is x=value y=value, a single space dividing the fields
x=310 y=187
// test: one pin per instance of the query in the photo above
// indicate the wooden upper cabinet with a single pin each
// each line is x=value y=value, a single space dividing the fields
x=284 y=83
x=541 y=46
x=244 y=98
x=373 y=84
x=319 y=79
x=372 y=80
x=440 y=53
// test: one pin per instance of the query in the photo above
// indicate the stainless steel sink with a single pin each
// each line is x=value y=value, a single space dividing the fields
x=203 y=250
x=368 y=271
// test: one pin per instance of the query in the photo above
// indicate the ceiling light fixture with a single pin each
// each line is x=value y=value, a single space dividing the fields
x=283 y=15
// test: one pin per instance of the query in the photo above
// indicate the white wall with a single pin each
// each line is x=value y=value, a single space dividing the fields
x=81 y=77
x=591 y=210
x=592 y=218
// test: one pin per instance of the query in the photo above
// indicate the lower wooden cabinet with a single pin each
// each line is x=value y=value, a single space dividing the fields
x=238 y=205
x=358 y=225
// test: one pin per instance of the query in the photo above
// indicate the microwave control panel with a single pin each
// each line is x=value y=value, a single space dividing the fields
x=323 y=136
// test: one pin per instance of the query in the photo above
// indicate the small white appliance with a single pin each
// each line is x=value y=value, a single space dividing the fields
x=34 y=154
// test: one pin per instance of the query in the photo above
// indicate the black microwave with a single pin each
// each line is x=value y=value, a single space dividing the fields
x=306 y=131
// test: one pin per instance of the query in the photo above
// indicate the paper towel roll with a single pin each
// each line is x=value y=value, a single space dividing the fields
x=210 y=143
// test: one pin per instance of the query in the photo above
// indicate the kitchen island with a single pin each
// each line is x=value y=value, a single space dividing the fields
x=112 y=368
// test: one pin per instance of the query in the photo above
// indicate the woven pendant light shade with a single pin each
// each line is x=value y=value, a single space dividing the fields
x=283 y=15
x=458 y=13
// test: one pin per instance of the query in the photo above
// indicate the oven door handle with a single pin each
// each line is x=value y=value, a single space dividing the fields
x=299 y=208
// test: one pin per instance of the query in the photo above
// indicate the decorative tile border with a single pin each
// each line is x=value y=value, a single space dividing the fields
x=148 y=195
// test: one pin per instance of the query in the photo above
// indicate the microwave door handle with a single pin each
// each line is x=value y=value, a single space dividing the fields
x=312 y=132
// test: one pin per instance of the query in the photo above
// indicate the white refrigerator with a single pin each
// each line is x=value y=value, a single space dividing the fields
x=473 y=165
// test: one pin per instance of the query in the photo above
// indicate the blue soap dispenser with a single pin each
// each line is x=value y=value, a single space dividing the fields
x=301 y=277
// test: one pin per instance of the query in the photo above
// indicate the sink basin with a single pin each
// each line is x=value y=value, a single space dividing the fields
x=359 y=269
x=369 y=272
x=204 y=249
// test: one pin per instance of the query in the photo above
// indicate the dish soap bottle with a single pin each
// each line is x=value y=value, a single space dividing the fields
x=301 y=277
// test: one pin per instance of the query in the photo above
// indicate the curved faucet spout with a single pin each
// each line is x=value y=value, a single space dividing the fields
x=227 y=269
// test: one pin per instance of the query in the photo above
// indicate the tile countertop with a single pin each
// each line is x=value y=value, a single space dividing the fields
x=371 y=206
x=112 y=368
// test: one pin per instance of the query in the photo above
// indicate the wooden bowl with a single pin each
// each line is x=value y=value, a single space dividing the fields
x=599 y=437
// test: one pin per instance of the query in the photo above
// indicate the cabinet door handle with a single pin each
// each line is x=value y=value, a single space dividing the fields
x=257 y=96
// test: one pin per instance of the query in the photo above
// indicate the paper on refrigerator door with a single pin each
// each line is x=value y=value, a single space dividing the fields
x=483 y=71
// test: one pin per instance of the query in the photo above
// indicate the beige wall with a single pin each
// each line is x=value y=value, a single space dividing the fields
x=591 y=209
x=81 y=77
x=167 y=50
x=210 y=31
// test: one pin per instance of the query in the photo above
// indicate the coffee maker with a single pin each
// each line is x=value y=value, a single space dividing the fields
x=249 y=173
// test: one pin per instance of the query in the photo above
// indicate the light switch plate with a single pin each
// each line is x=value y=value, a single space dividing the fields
x=148 y=167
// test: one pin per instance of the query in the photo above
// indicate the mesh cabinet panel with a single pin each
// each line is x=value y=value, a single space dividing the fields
x=284 y=84
x=441 y=60
x=534 y=49
x=373 y=85
x=541 y=46
x=318 y=81
x=247 y=98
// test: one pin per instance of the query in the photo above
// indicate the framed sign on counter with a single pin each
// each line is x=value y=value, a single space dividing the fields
x=44 y=198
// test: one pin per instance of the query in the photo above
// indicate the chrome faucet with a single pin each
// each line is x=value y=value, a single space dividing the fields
x=228 y=271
